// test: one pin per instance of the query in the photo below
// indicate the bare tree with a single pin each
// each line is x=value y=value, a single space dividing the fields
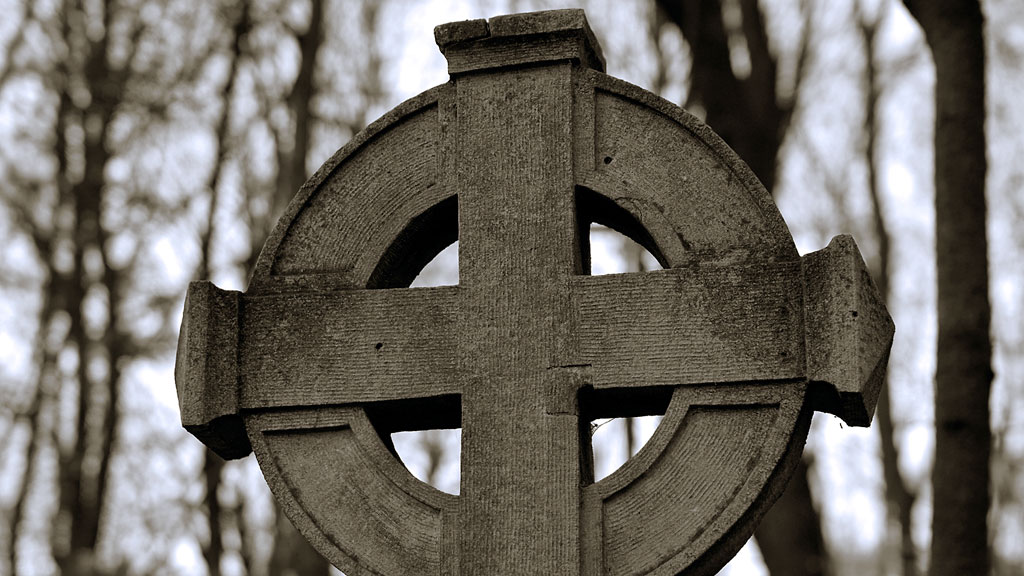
x=899 y=498
x=43 y=392
x=213 y=465
x=954 y=31
x=82 y=486
x=32 y=414
x=751 y=112
x=97 y=96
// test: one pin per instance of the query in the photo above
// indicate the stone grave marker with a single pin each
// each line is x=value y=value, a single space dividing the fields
x=737 y=341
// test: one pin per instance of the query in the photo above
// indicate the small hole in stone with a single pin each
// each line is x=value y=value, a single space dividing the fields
x=854 y=313
x=379 y=345
x=607 y=159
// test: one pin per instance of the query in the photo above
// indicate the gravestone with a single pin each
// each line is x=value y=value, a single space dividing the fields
x=737 y=341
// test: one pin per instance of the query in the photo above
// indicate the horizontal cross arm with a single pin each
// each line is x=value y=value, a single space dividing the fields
x=309 y=348
x=820 y=319
x=347 y=347
x=696 y=325
x=849 y=331
x=206 y=370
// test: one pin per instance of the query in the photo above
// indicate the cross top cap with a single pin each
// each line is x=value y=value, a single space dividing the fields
x=515 y=39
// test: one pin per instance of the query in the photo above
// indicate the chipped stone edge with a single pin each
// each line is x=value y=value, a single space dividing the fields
x=455 y=36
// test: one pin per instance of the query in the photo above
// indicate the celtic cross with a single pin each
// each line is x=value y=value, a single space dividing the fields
x=737 y=341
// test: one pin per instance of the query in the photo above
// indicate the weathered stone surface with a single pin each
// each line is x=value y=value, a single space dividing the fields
x=206 y=371
x=849 y=332
x=518 y=39
x=737 y=341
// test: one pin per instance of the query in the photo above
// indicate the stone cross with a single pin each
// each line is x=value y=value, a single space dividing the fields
x=737 y=341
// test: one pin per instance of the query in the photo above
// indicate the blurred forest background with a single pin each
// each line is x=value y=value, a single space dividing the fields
x=147 y=143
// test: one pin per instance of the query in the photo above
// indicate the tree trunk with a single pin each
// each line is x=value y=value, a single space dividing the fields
x=745 y=111
x=954 y=30
x=790 y=535
x=291 y=167
x=83 y=486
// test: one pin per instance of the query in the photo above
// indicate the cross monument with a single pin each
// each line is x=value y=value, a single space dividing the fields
x=737 y=342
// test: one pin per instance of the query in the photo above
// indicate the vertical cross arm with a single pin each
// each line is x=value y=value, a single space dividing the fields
x=511 y=148
x=848 y=331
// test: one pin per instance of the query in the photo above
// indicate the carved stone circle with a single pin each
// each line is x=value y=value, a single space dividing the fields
x=737 y=341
